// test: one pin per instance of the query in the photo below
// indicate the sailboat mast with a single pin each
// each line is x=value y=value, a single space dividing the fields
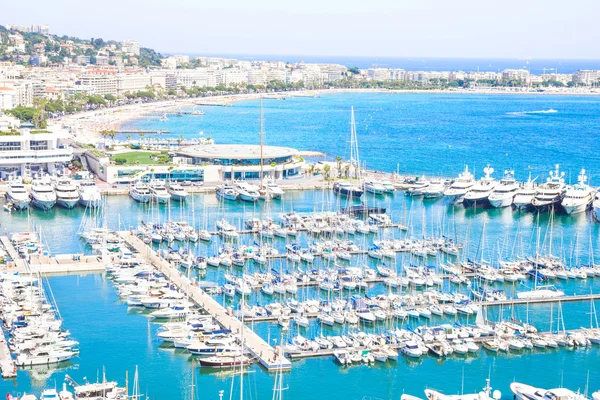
x=354 y=158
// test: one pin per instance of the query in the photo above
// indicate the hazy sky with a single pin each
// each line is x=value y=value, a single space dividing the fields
x=422 y=28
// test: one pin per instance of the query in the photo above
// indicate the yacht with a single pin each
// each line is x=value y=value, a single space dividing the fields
x=524 y=195
x=67 y=195
x=140 y=192
x=226 y=191
x=550 y=194
x=505 y=192
x=89 y=195
x=459 y=188
x=526 y=392
x=42 y=194
x=374 y=187
x=485 y=394
x=17 y=195
x=418 y=188
x=158 y=193
x=541 y=292
x=596 y=206
x=480 y=192
x=246 y=191
x=345 y=188
x=177 y=192
x=578 y=197
x=274 y=190
x=434 y=190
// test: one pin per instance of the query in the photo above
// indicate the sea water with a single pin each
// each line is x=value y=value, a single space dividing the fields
x=453 y=130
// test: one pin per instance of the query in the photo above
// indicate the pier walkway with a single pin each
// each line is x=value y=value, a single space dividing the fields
x=17 y=262
x=261 y=350
x=66 y=264
x=562 y=299
x=7 y=364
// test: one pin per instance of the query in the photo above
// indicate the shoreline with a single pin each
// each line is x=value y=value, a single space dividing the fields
x=86 y=126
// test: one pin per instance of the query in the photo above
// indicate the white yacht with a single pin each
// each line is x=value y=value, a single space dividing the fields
x=541 y=292
x=578 y=197
x=226 y=191
x=158 y=192
x=434 y=190
x=480 y=192
x=596 y=206
x=67 y=195
x=177 y=192
x=246 y=191
x=42 y=194
x=17 y=195
x=418 y=188
x=374 y=187
x=89 y=195
x=140 y=192
x=526 y=392
x=550 y=194
x=459 y=188
x=525 y=194
x=506 y=190
x=274 y=190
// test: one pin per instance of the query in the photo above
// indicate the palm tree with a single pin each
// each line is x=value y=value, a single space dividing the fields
x=129 y=139
x=327 y=171
x=347 y=171
x=338 y=159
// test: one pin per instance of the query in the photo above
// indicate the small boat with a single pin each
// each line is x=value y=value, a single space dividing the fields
x=225 y=361
x=346 y=189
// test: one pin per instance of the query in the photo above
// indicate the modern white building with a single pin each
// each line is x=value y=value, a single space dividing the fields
x=28 y=151
x=131 y=47
x=133 y=82
x=587 y=77
x=103 y=83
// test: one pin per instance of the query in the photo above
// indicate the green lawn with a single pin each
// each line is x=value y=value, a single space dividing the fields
x=142 y=156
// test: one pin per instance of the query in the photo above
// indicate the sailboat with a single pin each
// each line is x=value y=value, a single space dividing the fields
x=344 y=188
x=270 y=189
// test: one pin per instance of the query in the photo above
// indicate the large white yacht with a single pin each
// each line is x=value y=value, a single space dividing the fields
x=550 y=194
x=177 y=192
x=526 y=392
x=42 y=194
x=89 y=195
x=525 y=195
x=374 y=187
x=459 y=188
x=246 y=191
x=67 y=195
x=158 y=192
x=434 y=190
x=17 y=195
x=506 y=190
x=579 y=197
x=541 y=292
x=140 y=192
x=274 y=190
x=226 y=191
x=418 y=188
x=480 y=192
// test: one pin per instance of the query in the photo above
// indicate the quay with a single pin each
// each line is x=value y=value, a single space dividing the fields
x=17 y=262
x=65 y=264
x=261 y=350
x=562 y=299
x=7 y=364
x=144 y=131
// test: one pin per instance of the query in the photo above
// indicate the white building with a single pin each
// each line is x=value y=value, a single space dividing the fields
x=257 y=77
x=515 y=74
x=232 y=77
x=276 y=75
x=8 y=98
x=200 y=77
x=103 y=83
x=31 y=151
x=133 y=82
x=131 y=47
x=586 y=77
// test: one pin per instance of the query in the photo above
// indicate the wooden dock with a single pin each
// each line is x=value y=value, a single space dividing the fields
x=261 y=350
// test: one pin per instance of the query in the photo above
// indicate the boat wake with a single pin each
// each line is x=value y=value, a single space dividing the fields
x=523 y=113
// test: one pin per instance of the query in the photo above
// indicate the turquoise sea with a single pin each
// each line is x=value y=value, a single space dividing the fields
x=453 y=130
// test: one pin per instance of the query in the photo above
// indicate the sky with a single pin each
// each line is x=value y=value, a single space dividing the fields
x=548 y=29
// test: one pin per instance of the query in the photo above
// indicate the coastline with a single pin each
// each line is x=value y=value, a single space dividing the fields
x=86 y=126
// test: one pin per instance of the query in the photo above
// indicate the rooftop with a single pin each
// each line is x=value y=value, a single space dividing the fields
x=237 y=151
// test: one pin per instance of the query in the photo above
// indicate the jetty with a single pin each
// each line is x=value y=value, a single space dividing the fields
x=266 y=355
x=563 y=299
x=7 y=364
x=143 y=131
x=65 y=264
x=17 y=262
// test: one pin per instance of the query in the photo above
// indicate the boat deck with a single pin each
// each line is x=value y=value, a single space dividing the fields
x=261 y=350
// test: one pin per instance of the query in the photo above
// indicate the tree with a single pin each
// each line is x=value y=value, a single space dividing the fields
x=327 y=171
x=338 y=159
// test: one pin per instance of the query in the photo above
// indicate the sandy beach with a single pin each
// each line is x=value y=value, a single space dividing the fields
x=86 y=126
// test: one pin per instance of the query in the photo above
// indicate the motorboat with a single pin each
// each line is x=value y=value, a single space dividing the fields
x=434 y=190
x=485 y=394
x=273 y=190
x=158 y=193
x=140 y=192
x=578 y=197
x=524 y=195
x=42 y=194
x=67 y=195
x=246 y=191
x=225 y=361
x=374 y=187
x=345 y=188
x=226 y=191
x=44 y=356
x=527 y=392
x=550 y=194
x=17 y=195
x=411 y=349
x=478 y=195
x=89 y=195
x=505 y=192
x=177 y=192
x=459 y=188
x=418 y=188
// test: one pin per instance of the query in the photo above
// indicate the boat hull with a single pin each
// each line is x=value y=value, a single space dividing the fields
x=67 y=203
x=573 y=209
x=480 y=202
x=18 y=204
x=43 y=205
x=501 y=202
